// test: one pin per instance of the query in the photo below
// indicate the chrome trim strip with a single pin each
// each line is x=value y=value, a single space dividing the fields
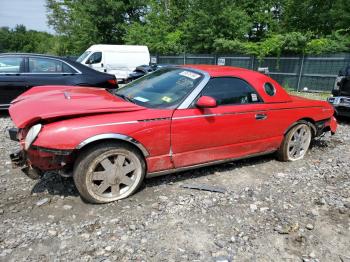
x=124 y=123
x=195 y=116
x=180 y=169
x=51 y=73
x=244 y=112
x=106 y=124
x=114 y=136
x=195 y=92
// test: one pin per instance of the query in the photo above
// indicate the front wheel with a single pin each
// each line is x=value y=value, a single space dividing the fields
x=108 y=172
x=296 y=142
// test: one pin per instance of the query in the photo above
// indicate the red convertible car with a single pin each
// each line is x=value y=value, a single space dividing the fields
x=174 y=119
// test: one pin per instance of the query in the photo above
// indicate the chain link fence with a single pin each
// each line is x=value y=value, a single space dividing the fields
x=311 y=73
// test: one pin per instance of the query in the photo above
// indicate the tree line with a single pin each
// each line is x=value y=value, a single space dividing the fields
x=254 y=27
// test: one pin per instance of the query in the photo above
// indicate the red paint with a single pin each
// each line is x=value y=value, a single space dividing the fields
x=206 y=102
x=41 y=103
x=173 y=138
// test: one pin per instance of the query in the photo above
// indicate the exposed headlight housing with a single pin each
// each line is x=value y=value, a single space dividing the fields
x=31 y=135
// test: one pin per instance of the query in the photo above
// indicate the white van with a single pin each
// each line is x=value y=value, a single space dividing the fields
x=119 y=60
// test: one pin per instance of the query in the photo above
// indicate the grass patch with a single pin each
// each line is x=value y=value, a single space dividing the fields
x=311 y=95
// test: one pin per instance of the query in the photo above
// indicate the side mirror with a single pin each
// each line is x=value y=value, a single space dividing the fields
x=206 y=102
x=89 y=61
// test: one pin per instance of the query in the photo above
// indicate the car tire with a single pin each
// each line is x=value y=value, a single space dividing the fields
x=296 y=142
x=108 y=172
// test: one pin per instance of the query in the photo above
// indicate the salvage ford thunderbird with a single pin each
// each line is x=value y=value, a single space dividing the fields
x=174 y=119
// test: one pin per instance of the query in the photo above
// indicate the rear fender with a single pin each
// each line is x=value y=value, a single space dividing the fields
x=309 y=122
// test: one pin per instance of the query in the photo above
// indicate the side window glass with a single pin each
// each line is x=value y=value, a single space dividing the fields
x=68 y=69
x=95 y=58
x=44 y=65
x=11 y=65
x=230 y=90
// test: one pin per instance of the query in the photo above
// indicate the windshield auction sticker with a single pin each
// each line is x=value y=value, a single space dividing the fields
x=189 y=74
x=166 y=99
x=141 y=99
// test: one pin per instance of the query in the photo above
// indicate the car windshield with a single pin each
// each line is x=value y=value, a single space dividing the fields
x=83 y=56
x=164 y=88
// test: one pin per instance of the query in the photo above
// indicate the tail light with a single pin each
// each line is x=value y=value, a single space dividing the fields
x=112 y=81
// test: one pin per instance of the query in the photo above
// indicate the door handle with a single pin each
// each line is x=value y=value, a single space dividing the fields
x=260 y=116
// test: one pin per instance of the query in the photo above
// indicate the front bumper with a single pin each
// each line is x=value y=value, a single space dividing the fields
x=341 y=105
x=18 y=160
x=36 y=159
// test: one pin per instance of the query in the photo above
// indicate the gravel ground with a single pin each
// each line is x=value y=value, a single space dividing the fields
x=271 y=211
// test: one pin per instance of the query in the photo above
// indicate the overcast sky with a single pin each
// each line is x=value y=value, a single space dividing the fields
x=31 y=13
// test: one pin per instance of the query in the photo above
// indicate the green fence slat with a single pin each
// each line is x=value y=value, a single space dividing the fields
x=318 y=71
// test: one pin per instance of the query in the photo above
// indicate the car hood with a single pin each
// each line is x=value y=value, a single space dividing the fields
x=51 y=102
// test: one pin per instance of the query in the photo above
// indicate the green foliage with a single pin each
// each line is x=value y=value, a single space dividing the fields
x=87 y=22
x=324 y=45
x=161 y=28
x=254 y=27
x=212 y=20
x=20 y=39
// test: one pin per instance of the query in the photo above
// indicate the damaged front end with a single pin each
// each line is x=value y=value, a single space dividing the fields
x=34 y=160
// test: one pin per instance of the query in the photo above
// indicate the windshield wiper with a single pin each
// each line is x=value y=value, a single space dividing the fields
x=124 y=97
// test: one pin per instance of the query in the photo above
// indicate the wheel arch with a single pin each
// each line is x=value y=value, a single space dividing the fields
x=113 y=137
x=309 y=121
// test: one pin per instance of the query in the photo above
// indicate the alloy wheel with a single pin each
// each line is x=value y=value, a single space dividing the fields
x=299 y=142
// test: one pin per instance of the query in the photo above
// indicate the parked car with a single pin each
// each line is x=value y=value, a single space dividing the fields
x=142 y=70
x=119 y=60
x=341 y=93
x=20 y=72
x=173 y=119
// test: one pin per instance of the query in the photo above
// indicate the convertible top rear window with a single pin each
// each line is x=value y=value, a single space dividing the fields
x=269 y=89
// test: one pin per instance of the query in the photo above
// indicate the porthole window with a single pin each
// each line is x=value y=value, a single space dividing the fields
x=269 y=89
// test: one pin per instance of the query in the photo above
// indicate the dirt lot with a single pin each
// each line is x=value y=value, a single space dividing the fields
x=271 y=211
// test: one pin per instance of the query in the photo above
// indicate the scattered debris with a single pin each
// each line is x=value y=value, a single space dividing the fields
x=42 y=202
x=309 y=226
x=205 y=188
x=222 y=259
x=166 y=222
x=253 y=207
x=67 y=207
x=287 y=228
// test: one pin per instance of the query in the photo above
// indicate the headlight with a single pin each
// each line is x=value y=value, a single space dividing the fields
x=32 y=134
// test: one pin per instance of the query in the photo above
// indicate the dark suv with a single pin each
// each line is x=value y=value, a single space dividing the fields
x=341 y=93
x=20 y=72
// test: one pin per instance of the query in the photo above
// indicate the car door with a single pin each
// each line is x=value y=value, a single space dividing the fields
x=49 y=71
x=230 y=130
x=12 y=82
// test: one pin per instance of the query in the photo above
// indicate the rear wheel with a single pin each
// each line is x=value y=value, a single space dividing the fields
x=108 y=172
x=296 y=142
